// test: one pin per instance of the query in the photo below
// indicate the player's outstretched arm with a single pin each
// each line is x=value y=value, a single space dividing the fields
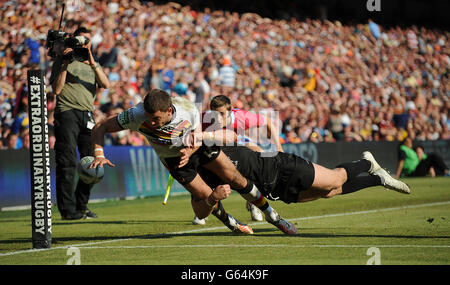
x=273 y=134
x=220 y=137
x=254 y=147
x=108 y=125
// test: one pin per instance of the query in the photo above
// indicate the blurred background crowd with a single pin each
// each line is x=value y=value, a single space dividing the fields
x=325 y=81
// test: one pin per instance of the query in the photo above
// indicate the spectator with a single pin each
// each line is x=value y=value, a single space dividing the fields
x=291 y=66
x=121 y=138
x=168 y=75
x=11 y=141
x=374 y=29
x=24 y=137
x=202 y=90
x=226 y=72
x=21 y=117
x=335 y=124
x=114 y=102
x=414 y=161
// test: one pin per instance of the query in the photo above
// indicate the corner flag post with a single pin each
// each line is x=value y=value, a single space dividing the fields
x=41 y=202
x=169 y=186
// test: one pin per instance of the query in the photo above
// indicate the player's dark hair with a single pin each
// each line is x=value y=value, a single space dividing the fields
x=219 y=101
x=157 y=100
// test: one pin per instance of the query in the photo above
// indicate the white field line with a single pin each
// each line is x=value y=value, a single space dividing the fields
x=91 y=244
x=332 y=215
x=266 y=245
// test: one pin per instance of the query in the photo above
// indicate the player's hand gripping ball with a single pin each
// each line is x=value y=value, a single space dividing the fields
x=89 y=175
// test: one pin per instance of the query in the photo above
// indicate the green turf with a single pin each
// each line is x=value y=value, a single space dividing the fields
x=339 y=230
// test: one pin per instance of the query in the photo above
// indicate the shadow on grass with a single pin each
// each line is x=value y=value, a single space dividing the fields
x=79 y=222
x=56 y=241
x=261 y=233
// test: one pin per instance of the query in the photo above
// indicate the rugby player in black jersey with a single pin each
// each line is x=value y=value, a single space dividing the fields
x=292 y=179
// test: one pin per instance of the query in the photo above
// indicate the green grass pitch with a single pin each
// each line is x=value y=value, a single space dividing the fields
x=371 y=226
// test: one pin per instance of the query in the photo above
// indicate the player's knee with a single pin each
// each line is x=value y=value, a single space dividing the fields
x=340 y=176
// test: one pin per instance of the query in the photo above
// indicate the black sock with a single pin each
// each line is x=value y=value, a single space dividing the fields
x=359 y=183
x=355 y=168
x=220 y=213
x=247 y=189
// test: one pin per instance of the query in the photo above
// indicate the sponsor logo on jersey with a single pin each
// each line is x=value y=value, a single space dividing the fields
x=165 y=135
x=124 y=117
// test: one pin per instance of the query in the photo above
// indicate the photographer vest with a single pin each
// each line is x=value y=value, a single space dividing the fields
x=80 y=88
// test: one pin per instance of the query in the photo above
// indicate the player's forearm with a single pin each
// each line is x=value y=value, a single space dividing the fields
x=109 y=125
x=278 y=144
x=98 y=139
x=223 y=137
x=273 y=134
x=254 y=147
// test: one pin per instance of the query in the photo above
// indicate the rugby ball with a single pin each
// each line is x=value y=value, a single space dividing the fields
x=89 y=175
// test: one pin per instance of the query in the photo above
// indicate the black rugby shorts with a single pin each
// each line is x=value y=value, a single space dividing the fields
x=187 y=173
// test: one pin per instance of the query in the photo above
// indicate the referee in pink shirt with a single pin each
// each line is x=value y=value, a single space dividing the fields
x=238 y=120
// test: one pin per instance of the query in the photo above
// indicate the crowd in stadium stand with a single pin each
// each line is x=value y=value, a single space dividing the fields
x=327 y=81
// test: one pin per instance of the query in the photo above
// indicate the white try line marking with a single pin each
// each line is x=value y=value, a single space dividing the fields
x=265 y=245
x=331 y=215
x=90 y=244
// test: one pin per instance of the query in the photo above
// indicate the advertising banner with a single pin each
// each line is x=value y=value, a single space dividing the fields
x=139 y=172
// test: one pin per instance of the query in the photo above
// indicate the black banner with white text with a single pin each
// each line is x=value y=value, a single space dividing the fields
x=41 y=201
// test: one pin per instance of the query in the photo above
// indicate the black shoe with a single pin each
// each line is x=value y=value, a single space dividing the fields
x=89 y=214
x=74 y=216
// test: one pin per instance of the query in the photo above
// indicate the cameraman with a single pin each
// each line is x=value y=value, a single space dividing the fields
x=74 y=83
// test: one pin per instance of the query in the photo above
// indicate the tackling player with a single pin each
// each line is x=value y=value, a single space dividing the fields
x=223 y=116
x=292 y=179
